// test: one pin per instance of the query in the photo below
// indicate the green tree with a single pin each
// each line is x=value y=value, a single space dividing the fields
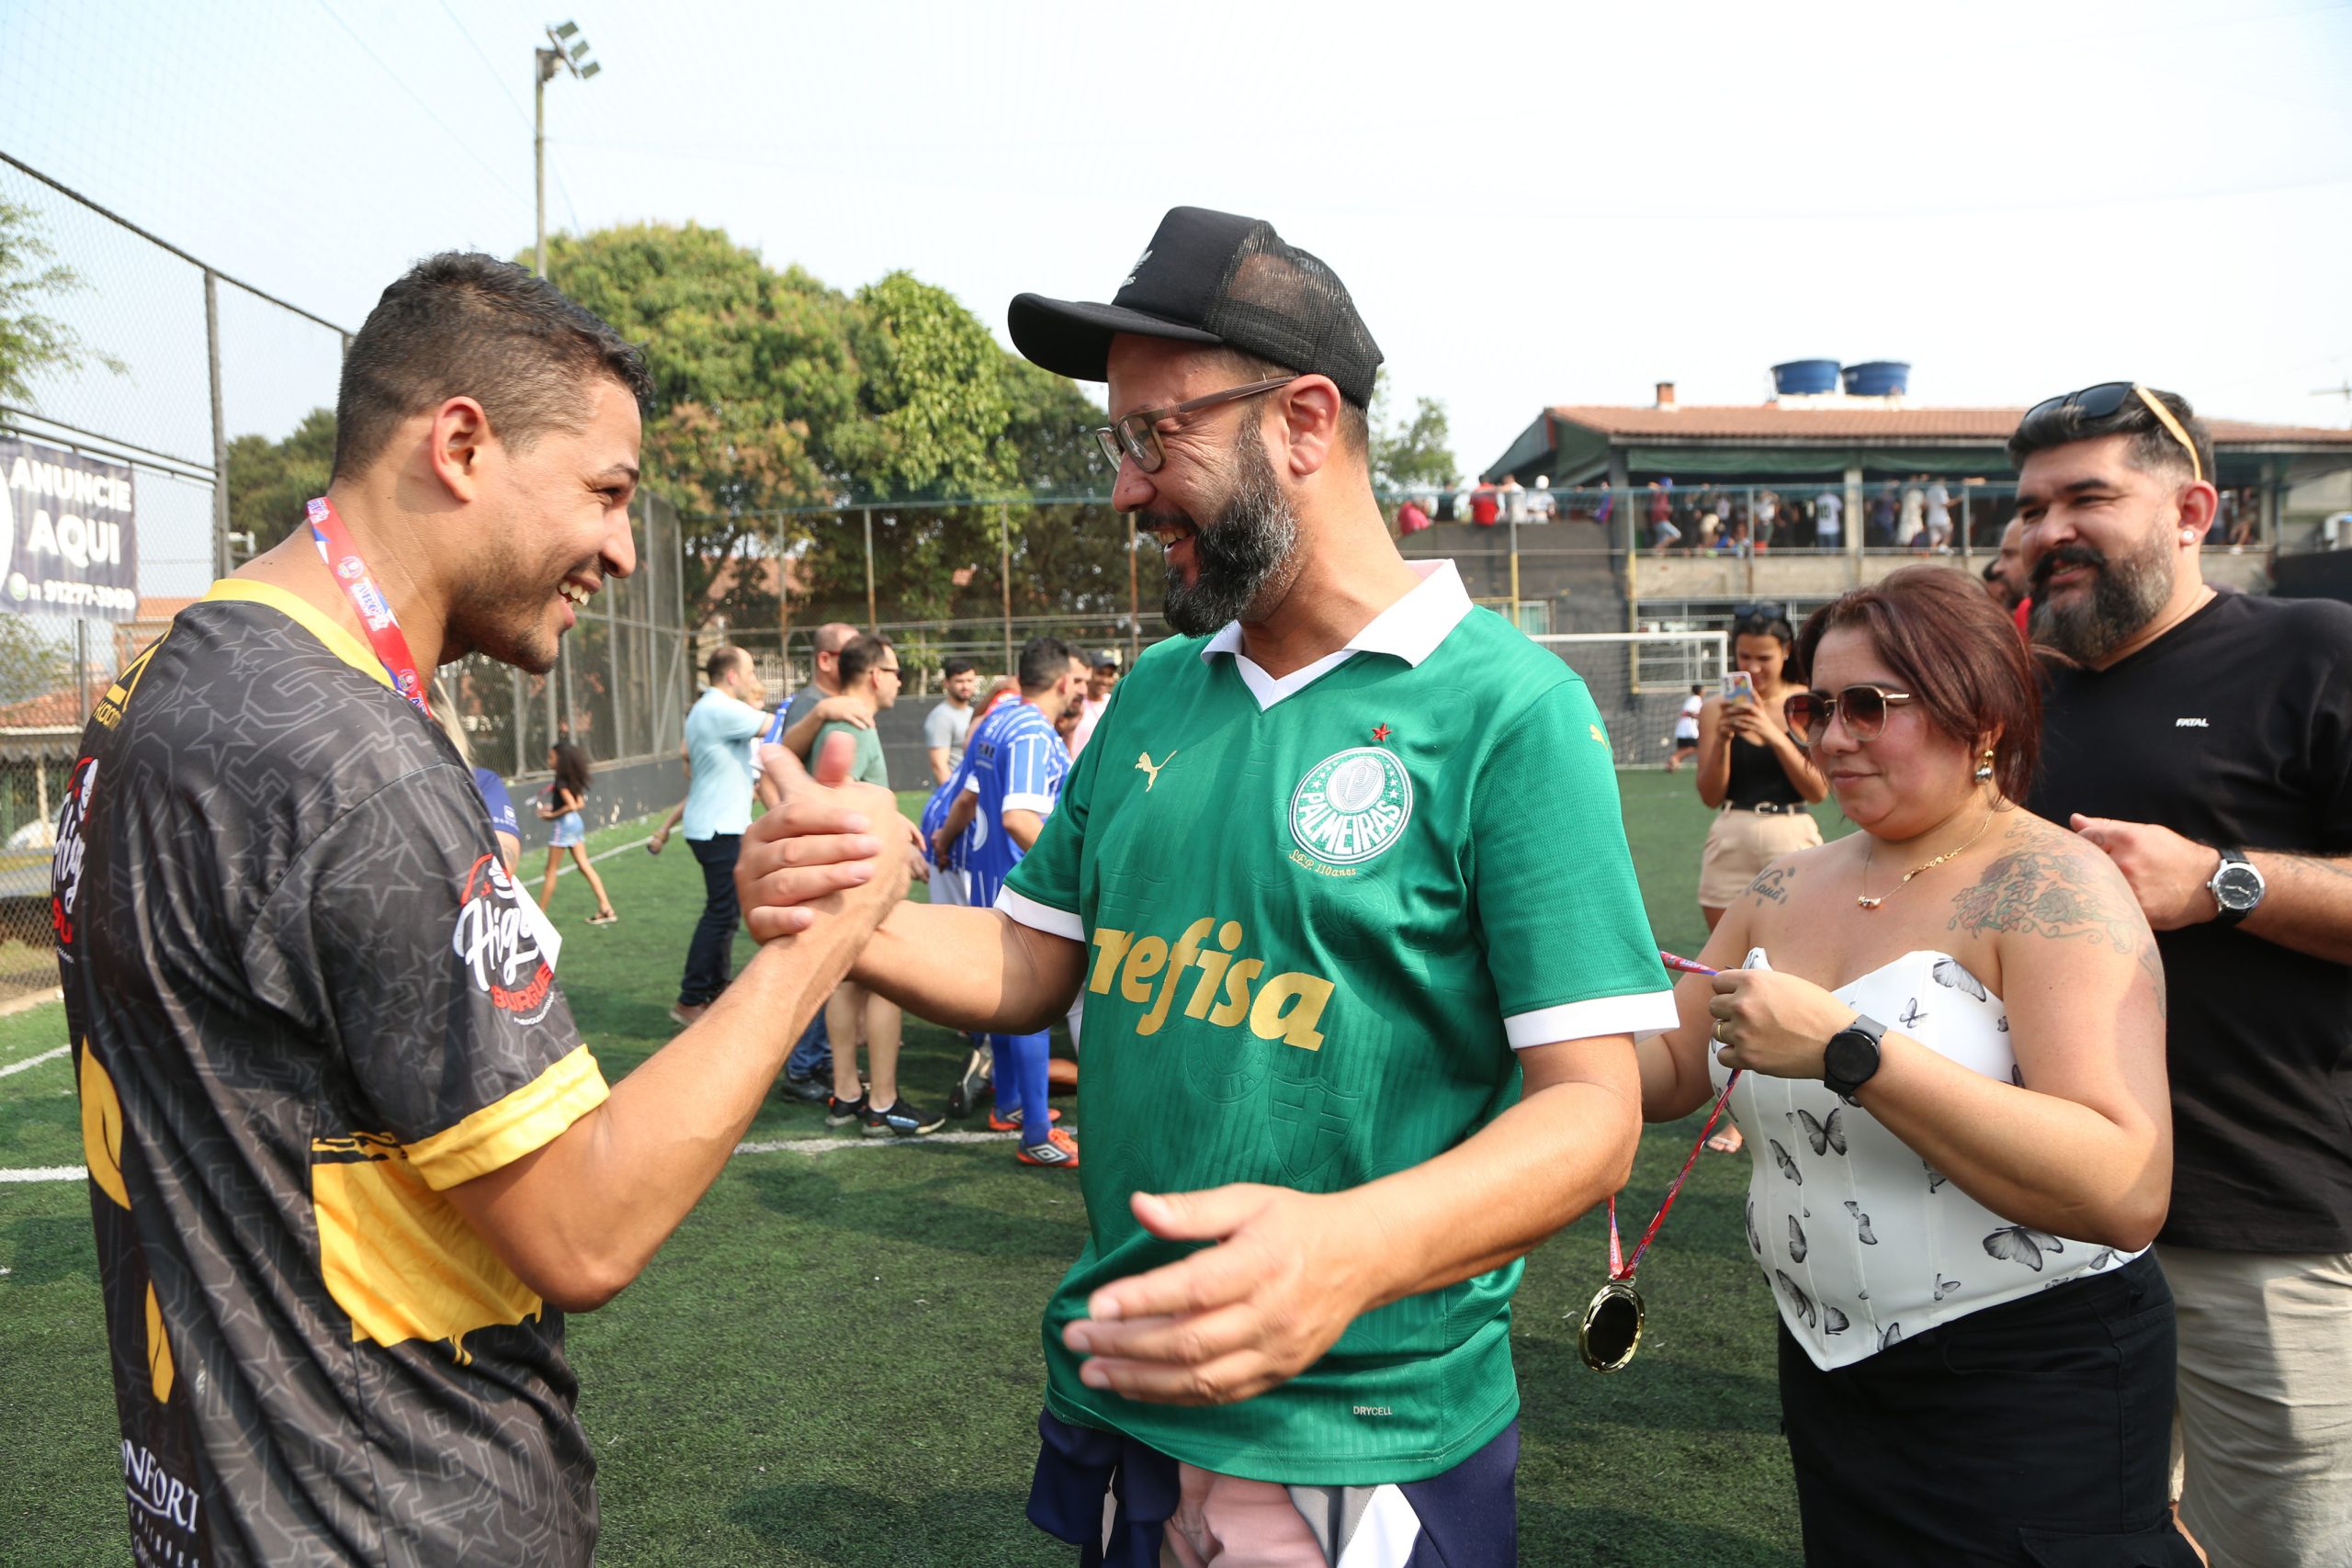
x=774 y=392
x=1413 y=453
x=32 y=660
x=753 y=374
x=31 y=342
x=269 y=480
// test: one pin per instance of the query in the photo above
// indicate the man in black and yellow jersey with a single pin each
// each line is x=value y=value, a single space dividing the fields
x=349 y=1159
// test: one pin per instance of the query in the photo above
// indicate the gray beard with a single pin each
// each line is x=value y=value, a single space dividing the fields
x=1243 y=558
x=2124 y=595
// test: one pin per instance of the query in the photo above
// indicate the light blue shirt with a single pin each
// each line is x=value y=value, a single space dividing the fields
x=719 y=799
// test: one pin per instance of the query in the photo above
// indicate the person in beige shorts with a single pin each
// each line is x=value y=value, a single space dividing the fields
x=1753 y=772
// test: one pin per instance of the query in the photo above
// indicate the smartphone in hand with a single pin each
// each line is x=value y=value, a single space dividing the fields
x=1739 y=686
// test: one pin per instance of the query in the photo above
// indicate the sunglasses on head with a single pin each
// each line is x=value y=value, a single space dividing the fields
x=1764 y=612
x=2099 y=401
x=1862 y=707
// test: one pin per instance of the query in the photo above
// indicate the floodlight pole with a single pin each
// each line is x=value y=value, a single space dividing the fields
x=544 y=63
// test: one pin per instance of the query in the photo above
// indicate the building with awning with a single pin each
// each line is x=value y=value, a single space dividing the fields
x=2298 y=474
x=1597 y=564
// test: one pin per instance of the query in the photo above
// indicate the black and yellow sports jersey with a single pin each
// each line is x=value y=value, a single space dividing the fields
x=305 y=1001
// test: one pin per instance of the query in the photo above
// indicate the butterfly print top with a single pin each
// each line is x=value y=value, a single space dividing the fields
x=1865 y=1243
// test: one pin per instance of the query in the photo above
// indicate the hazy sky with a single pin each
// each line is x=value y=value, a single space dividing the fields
x=1533 y=204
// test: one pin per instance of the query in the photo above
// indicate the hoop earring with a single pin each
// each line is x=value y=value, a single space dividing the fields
x=1984 y=767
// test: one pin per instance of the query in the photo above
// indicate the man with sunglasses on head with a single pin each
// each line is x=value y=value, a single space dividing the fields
x=2203 y=739
x=1343 y=1066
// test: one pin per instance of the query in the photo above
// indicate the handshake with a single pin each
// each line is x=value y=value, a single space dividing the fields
x=831 y=849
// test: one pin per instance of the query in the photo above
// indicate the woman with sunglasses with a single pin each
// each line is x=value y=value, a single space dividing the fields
x=1950 y=1032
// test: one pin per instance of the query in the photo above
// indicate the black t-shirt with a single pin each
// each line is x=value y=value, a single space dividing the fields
x=305 y=999
x=1756 y=777
x=2234 y=729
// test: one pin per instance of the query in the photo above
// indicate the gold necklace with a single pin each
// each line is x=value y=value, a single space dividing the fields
x=1865 y=901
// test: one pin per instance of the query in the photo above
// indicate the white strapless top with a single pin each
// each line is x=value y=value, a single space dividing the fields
x=1863 y=1241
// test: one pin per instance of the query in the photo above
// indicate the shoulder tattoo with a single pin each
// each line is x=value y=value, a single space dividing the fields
x=1771 y=884
x=2047 y=892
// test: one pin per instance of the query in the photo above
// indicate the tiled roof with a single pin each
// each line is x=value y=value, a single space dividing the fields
x=51 y=710
x=1768 y=421
x=154 y=610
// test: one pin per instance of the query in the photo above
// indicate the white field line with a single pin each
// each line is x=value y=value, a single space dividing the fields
x=48 y=1055
x=765 y=1146
x=47 y=1173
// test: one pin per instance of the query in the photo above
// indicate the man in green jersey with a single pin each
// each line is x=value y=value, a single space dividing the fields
x=1342 y=879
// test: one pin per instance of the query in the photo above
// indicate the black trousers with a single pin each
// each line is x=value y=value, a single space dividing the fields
x=2035 y=1432
x=710 y=956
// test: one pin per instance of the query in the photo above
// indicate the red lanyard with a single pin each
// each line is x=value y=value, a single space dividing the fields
x=375 y=617
x=1619 y=1268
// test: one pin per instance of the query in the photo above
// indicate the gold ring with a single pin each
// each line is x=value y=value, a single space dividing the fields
x=1719 y=1032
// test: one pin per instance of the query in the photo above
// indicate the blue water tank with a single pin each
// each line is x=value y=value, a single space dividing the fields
x=1879 y=378
x=1803 y=377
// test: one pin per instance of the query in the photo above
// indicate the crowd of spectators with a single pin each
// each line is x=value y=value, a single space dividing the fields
x=1922 y=514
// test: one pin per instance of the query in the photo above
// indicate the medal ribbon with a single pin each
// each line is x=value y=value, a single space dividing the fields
x=1619 y=1268
x=375 y=611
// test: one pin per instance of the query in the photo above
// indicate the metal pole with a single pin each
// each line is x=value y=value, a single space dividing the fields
x=540 y=70
x=1135 y=599
x=1967 y=553
x=873 y=622
x=220 y=564
x=1512 y=513
x=1004 y=525
x=782 y=610
x=82 y=664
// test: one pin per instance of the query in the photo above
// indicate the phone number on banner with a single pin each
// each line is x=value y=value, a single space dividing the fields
x=93 y=595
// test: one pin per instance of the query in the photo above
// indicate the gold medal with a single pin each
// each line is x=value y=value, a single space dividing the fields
x=1612 y=1330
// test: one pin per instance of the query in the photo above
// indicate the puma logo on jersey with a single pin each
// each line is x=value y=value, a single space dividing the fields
x=2190 y=724
x=1143 y=764
x=1286 y=1007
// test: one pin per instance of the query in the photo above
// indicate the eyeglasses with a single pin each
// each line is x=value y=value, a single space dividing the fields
x=2099 y=401
x=1137 y=435
x=1865 y=707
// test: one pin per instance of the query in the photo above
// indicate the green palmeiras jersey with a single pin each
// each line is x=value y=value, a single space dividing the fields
x=1319 y=914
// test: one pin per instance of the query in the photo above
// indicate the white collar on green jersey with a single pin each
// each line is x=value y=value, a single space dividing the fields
x=1410 y=629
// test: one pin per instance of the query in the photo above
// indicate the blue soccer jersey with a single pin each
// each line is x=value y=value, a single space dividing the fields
x=1016 y=764
x=935 y=808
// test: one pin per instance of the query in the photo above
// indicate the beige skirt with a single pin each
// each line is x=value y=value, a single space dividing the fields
x=1743 y=843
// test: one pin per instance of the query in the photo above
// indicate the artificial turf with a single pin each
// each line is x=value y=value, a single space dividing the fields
x=836 y=1361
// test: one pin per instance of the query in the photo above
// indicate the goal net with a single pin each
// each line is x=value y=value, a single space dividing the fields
x=1640 y=680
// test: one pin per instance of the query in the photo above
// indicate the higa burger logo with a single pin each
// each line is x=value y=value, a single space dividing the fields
x=499 y=945
x=66 y=870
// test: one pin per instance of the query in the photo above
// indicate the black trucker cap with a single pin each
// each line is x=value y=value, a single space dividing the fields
x=1211 y=277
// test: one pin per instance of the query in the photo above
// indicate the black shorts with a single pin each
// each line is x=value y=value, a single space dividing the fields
x=2035 y=1432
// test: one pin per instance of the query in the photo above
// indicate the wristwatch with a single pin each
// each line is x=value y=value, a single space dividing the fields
x=1851 y=1056
x=2236 y=886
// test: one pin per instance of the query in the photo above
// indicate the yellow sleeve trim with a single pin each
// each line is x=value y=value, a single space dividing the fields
x=505 y=1131
x=309 y=617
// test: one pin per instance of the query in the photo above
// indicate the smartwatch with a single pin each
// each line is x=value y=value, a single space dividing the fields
x=2236 y=886
x=1851 y=1056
